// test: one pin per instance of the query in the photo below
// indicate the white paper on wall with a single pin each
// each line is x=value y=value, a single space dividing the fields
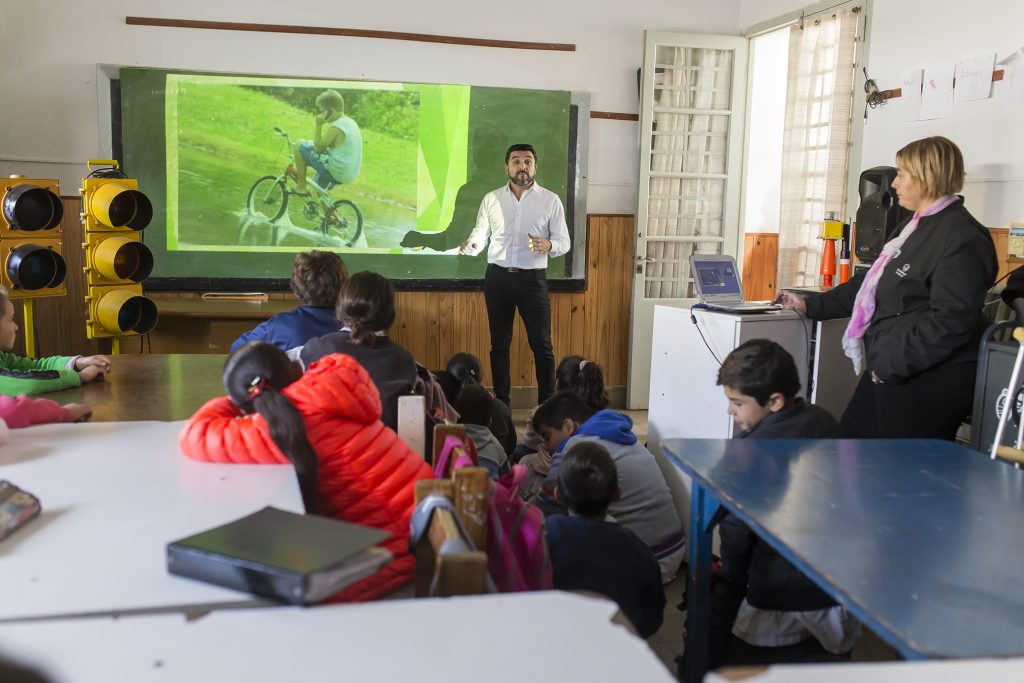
x=937 y=92
x=974 y=78
x=911 y=95
x=1009 y=92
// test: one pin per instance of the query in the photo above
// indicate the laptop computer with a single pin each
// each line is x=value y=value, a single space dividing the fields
x=717 y=282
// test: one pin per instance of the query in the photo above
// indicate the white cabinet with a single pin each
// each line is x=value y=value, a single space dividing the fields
x=690 y=345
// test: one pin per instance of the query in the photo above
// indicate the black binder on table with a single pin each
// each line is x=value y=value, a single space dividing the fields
x=300 y=559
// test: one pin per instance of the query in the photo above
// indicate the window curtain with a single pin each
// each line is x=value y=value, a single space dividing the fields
x=816 y=139
x=688 y=150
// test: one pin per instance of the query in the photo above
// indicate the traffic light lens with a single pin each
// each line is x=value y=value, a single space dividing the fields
x=30 y=207
x=137 y=314
x=130 y=209
x=133 y=261
x=32 y=267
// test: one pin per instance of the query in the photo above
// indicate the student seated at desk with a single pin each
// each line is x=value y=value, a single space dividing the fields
x=29 y=376
x=317 y=277
x=327 y=423
x=590 y=553
x=645 y=506
x=366 y=309
x=764 y=610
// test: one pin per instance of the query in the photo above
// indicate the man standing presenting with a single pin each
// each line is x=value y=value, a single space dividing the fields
x=525 y=224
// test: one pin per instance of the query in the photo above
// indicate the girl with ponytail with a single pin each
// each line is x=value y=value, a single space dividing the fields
x=366 y=309
x=584 y=378
x=466 y=369
x=325 y=422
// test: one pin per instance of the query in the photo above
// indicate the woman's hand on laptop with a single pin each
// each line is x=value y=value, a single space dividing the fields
x=791 y=301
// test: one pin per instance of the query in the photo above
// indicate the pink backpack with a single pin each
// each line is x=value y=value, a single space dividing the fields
x=454 y=453
x=517 y=548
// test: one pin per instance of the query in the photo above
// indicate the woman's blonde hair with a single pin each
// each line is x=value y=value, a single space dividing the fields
x=3 y=295
x=934 y=164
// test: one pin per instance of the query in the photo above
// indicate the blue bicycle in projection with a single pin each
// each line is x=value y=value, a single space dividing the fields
x=339 y=222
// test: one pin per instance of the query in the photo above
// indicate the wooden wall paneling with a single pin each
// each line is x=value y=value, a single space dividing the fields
x=434 y=325
x=606 y=307
x=1001 y=238
x=760 y=265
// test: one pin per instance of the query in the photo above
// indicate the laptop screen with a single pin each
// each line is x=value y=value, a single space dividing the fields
x=716 y=279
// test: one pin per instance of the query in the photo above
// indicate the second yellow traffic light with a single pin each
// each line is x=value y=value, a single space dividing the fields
x=114 y=212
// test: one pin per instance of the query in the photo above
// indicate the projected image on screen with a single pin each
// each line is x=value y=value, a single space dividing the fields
x=237 y=143
x=241 y=181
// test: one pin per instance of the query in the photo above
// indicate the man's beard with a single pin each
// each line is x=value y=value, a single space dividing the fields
x=521 y=178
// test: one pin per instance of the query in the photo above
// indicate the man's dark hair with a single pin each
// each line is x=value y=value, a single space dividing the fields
x=521 y=147
x=561 y=406
x=317 y=277
x=760 y=368
x=475 y=406
x=366 y=304
x=587 y=479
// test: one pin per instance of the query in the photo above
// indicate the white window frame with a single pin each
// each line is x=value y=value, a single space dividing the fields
x=809 y=13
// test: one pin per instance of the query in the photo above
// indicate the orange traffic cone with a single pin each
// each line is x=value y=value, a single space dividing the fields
x=828 y=263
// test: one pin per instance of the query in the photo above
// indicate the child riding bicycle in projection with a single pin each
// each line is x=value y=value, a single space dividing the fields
x=336 y=151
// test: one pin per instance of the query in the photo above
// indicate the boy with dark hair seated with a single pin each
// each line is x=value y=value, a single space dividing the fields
x=761 y=382
x=316 y=279
x=589 y=553
x=476 y=411
x=764 y=610
x=645 y=506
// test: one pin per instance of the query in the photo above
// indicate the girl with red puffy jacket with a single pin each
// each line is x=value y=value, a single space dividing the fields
x=327 y=423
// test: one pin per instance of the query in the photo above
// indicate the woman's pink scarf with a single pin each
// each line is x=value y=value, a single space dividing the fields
x=864 y=304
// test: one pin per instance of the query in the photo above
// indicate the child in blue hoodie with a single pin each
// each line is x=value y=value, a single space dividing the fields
x=645 y=506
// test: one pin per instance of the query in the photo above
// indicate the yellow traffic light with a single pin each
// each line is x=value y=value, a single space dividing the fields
x=31 y=247
x=114 y=212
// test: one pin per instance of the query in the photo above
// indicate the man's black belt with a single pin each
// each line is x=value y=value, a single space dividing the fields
x=514 y=270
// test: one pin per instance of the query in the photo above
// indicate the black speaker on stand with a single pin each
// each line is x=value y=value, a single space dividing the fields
x=879 y=212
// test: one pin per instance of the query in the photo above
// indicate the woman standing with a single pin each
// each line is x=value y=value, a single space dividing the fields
x=916 y=315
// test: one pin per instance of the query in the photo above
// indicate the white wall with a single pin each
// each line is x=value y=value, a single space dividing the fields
x=49 y=105
x=907 y=34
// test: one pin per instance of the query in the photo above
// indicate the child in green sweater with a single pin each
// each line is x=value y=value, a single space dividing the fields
x=20 y=375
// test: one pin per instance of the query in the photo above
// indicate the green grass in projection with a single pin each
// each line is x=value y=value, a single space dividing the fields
x=226 y=140
x=199 y=143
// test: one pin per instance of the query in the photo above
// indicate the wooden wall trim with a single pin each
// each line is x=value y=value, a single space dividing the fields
x=347 y=32
x=614 y=115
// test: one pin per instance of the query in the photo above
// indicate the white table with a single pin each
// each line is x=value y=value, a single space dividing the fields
x=948 y=671
x=496 y=638
x=113 y=495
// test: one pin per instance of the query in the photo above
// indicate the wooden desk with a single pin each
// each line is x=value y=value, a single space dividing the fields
x=448 y=639
x=920 y=540
x=113 y=496
x=150 y=387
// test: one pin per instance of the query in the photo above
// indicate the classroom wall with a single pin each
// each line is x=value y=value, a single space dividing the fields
x=49 y=104
x=907 y=34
